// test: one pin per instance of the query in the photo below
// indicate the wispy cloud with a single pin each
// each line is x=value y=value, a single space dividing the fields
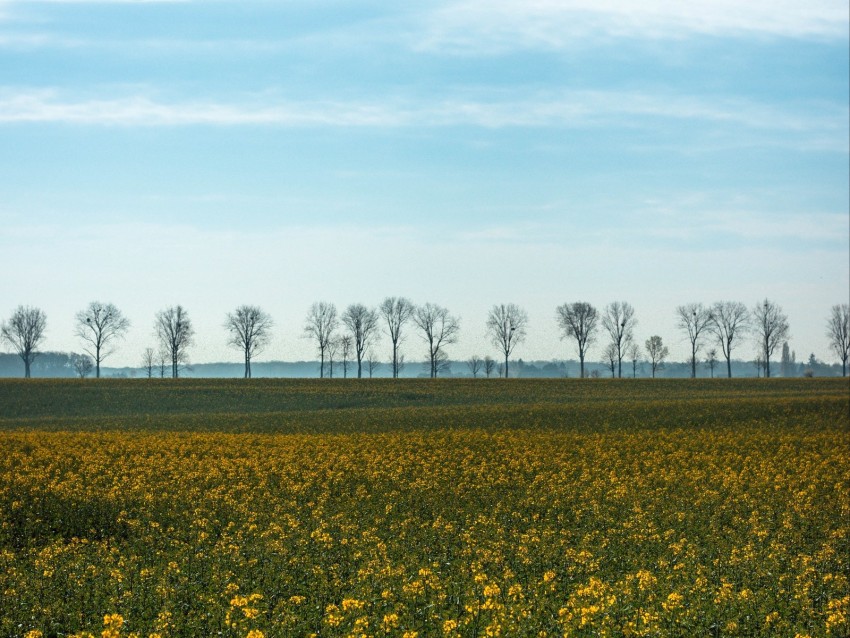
x=492 y=26
x=493 y=110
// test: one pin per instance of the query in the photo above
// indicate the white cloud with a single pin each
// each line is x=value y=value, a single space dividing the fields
x=491 y=26
x=820 y=121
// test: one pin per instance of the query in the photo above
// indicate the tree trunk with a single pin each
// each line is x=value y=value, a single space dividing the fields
x=322 y=363
x=506 y=365
x=729 y=365
x=26 y=367
x=581 y=358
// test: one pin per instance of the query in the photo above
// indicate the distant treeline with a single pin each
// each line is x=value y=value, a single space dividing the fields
x=61 y=364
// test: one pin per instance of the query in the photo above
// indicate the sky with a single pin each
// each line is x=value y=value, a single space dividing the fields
x=461 y=152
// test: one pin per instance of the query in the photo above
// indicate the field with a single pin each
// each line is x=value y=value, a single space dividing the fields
x=425 y=508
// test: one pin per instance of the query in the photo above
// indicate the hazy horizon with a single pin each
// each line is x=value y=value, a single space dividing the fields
x=163 y=152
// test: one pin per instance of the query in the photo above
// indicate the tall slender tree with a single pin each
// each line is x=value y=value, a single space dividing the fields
x=176 y=335
x=578 y=320
x=250 y=329
x=694 y=319
x=24 y=332
x=771 y=327
x=320 y=326
x=619 y=322
x=396 y=311
x=838 y=333
x=730 y=321
x=362 y=323
x=507 y=324
x=439 y=329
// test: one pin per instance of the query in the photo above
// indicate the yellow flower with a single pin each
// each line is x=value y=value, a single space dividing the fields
x=255 y=633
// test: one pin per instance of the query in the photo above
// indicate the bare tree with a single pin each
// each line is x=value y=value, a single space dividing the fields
x=24 y=332
x=613 y=358
x=711 y=360
x=694 y=319
x=771 y=326
x=250 y=330
x=507 y=324
x=474 y=364
x=361 y=323
x=162 y=358
x=729 y=322
x=346 y=343
x=619 y=321
x=83 y=365
x=579 y=321
x=372 y=362
x=634 y=355
x=439 y=329
x=657 y=352
x=99 y=326
x=332 y=349
x=489 y=365
x=838 y=333
x=396 y=311
x=320 y=325
x=148 y=361
x=176 y=335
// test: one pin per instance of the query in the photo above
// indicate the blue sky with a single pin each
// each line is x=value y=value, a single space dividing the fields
x=466 y=153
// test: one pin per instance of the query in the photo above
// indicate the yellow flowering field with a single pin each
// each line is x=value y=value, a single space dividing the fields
x=474 y=518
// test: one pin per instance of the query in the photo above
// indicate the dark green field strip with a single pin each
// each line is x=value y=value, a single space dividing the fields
x=48 y=399
x=815 y=412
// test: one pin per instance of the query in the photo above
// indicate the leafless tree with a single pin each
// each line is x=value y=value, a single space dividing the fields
x=474 y=364
x=579 y=321
x=83 y=365
x=711 y=360
x=250 y=330
x=838 y=333
x=729 y=322
x=619 y=322
x=758 y=362
x=657 y=352
x=489 y=365
x=694 y=319
x=24 y=332
x=332 y=349
x=362 y=323
x=162 y=359
x=771 y=326
x=613 y=359
x=148 y=361
x=372 y=362
x=320 y=325
x=346 y=343
x=439 y=329
x=507 y=324
x=176 y=335
x=396 y=311
x=99 y=326
x=634 y=355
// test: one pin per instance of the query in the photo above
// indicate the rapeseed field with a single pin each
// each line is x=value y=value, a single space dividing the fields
x=714 y=510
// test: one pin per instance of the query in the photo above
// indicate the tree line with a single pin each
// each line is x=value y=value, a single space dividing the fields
x=349 y=337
